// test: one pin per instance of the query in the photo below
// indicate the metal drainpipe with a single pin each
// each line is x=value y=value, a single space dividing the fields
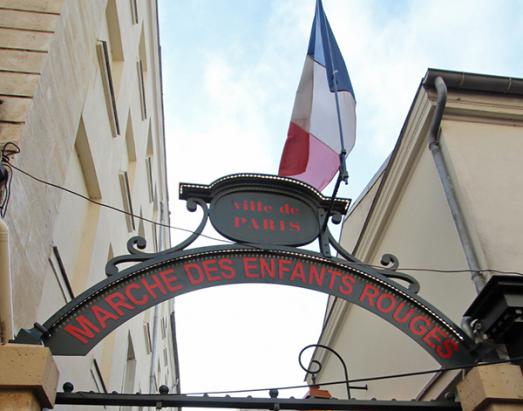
x=6 y=302
x=152 y=379
x=448 y=186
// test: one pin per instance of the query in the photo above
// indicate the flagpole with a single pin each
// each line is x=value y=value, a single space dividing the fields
x=343 y=175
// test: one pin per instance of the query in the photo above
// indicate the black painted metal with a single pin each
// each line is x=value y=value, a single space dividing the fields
x=177 y=400
x=255 y=199
x=81 y=324
x=318 y=365
x=243 y=264
x=135 y=244
x=497 y=313
x=386 y=259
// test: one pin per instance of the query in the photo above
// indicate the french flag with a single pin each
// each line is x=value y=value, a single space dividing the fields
x=313 y=146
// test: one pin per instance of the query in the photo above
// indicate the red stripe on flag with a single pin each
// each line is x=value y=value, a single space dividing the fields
x=308 y=159
x=295 y=153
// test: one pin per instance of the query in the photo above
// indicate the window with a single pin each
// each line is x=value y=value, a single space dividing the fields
x=147 y=335
x=127 y=201
x=97 y=377
x=141 y=228
x=62 y=278
x=115 y=43
x=130 y=369
x=87 y=164
x=141 y=88
x=107 y=81
x=155 y=237
x=134 y=11
x=163 y=327
x=149 y=170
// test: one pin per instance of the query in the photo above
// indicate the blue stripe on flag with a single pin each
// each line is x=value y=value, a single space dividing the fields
x=321 y=35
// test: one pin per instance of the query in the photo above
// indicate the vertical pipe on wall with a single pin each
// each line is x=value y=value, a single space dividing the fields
x=6 y=302
x=448 y=186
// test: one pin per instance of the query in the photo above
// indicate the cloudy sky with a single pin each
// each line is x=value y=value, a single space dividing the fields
x=230 y=69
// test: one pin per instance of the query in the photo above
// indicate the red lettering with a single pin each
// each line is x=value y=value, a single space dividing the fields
x=433 y=334
x=266 y=269
x=297 y=272
x=84 y=333
x=294 y=226
x=449 y=348
x=406 y=316
x=237 y=205
x=209 y=266
x=284 y=209
x=315 y=276
x=334 y=275
x=370 y=292
x=191 y=269
x=151 y=287
x=386 y=303
x=117 y=300
x=228 y=270
x=249 y=264
x=287 y=209
x=422 y=329
x=254 y=224
x=102 y=315
x=268 y=224
x=347 y=282
x=169 y=278
x=132 y=298
x=239 y=221
x=283 y=268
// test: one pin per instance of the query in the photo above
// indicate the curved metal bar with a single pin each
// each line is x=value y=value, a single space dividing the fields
x=319 y=365
x=137 y=243
x=191 y=205
x=391 y=263
x=341 y=251
x=134 y=245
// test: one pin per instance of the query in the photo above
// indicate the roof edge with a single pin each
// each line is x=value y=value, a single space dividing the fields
x=457 y=80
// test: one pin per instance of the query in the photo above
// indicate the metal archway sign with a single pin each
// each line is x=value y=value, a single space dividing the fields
x=280 y=214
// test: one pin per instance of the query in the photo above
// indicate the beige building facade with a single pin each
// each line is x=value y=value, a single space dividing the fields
x=405 y=211
x=80 y=86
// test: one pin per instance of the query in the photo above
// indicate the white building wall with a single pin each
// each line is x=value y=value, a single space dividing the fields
x=410 y=218
x=68 y=137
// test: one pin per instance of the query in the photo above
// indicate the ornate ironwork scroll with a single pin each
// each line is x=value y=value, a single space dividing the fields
x=318 y=365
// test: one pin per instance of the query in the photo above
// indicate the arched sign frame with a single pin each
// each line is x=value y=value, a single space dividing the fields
x=239 y=212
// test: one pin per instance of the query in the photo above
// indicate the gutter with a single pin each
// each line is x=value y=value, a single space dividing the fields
x=6 y=301
x=448 y=186
x=481 y=83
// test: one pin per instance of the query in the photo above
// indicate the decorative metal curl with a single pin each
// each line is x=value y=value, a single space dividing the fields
x=391 y=264
x=137 y=243
x=390 y=261
x=319 y=365
x=134 y=245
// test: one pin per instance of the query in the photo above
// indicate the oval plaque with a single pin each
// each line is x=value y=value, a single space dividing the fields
x=264 y=218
